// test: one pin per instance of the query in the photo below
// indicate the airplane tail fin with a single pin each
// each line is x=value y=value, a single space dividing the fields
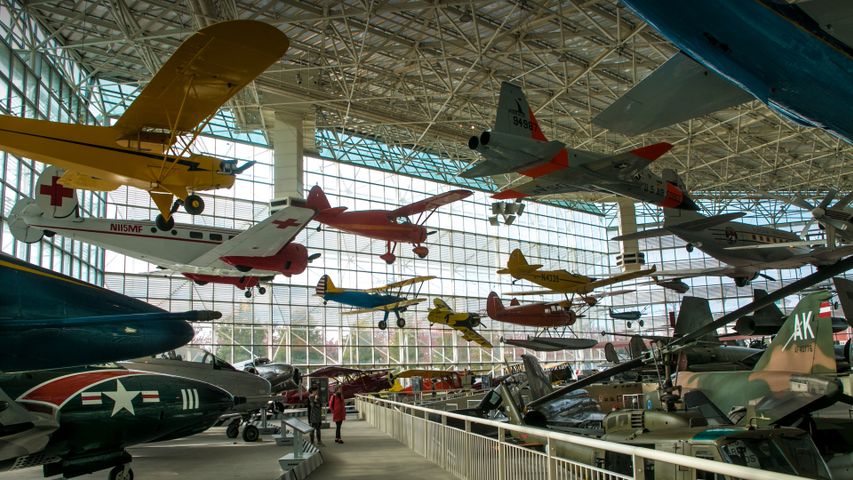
x=317 y=199
x=610 y=353
x=494 y=306
x=514 y=114
x=637 y=347
x=538 y=382
x=694 y=313
x=324 y=286
x=688 y=210
x=52 y=197
x=804 y=342
x=517 y=264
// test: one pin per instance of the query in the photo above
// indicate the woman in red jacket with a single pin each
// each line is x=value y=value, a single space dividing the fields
x=339 y=413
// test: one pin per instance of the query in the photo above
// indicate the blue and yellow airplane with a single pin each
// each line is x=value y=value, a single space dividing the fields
x=388 y=298
x=49 y=320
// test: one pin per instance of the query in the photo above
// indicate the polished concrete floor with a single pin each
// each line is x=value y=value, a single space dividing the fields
x=367 y=454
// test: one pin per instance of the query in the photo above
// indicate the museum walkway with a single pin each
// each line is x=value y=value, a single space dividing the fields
x=367 y=454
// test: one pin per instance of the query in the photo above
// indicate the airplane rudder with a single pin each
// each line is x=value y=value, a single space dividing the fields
x=514 y=114
x=324 y=285
x=494 y=306
x=317 y=199
x=517 y=259
x=52 y=197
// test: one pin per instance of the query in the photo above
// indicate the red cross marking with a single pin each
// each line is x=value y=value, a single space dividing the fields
x=56 y=191
x=290 y=222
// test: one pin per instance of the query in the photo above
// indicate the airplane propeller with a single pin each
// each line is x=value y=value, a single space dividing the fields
x=831 y=219
x=313 y=257
x=431 y=232
x=766 y=277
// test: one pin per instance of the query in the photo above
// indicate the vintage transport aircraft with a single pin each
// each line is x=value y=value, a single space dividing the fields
x=201 y=253
x=392 y=226
x=796 y=57
x=80 y=420
x=746 y=249
x=148 y=146
x=50 y=320
x=389 y=298
x=517 y=144
x=462 y=321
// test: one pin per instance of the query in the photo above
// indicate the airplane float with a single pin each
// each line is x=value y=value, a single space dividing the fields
x=80 y=420
x=148 y=146
x=381 y=299
x=745 y=249
x=561 y=281
x=517 y=144
x=50 y=320
x=462 y=321
x=392 y=226
x=200 y=253
x=794 y=57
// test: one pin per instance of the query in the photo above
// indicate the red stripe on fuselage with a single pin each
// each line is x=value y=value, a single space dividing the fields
x=58 y=390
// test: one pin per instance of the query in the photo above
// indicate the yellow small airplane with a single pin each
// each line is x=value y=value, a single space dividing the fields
x=148 y=147
x=462 y=321
x=561 y=281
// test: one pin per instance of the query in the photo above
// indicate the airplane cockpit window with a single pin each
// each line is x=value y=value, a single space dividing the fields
x=403 y=220
x=783 y=455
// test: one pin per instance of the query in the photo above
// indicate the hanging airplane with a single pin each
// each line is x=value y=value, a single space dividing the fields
x=352 y=381
x=81 y=420
x=794 y=57
x=561 y=281
x=148 y=146
x=392 y=226
x=628 y=316
x=836 y=220
x=746 y=249
x=50 y=320
x=389 y=298
x=462 y=321
x=517 y=144
x=282 y=376
x=544 y=315
x=202 y=254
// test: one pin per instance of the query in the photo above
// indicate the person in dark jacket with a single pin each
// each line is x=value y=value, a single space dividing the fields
x=315 y=414
x=339 y=413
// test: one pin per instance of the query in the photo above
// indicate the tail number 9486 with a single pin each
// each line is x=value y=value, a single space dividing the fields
x=522 y=122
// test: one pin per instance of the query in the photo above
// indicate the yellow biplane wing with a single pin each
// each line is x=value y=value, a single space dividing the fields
x=472 y=336
x=385 y=308
x=622 y=277
x=401 y=284
x=204 y=73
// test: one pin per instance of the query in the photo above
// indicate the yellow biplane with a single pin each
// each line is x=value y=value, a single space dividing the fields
x=462 y=321
x=148 y=147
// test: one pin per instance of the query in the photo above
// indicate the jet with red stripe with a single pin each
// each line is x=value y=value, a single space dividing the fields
x=201 y=253
x=517 y=145
x=78 y=421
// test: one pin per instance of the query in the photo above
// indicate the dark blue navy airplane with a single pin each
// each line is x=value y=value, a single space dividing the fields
x=49 y=320
x=796 y=58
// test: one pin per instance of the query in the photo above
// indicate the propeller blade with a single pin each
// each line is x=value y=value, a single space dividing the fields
x=844 y=201
x=311 y=258
x=431 y=232
x=827 y=199
x=830 y=235
x=806 y=228
x=796 y=201
x=844 y=398
x=244 y=167
x=767 y=277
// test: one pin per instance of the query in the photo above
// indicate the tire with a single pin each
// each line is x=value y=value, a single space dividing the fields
x=121 y=472
x=689 y=248
x=194 y=204
x=251 y=433
x=248 y=294
x=232 y=431
x=401 y=322
x=163 y=224
x=383 y=324
x=262 y=290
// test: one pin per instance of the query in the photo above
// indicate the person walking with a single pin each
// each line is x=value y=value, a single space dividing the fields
x=339 y=413
x=315 y=414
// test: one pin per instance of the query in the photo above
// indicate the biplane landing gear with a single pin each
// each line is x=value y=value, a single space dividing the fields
x=383 y=324
x=194 y=204
x=401 y=322
x=388 y=257
x=421 y=251
x=248 y=293
x=163 y=224
x=262 y=290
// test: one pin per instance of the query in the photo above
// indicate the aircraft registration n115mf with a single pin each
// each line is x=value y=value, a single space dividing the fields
x=517 y=144
x=148 y=146
x=201 y=253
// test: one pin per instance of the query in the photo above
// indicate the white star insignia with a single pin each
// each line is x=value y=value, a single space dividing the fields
x=123 y=399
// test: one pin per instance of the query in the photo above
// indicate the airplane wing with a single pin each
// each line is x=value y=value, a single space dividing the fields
x=401 y=284
x=205 y=71
x=385 y=308
x=622 y=277
x=9 y=326
x=697 y=272
x=627 y=163
x=334 y=371
x=528 y=292
x=678 y=90
x=472 y=336
x=264 y=239
x=430 y=203
x=699 y=224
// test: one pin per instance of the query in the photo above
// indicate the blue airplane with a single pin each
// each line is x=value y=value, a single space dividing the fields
x=796 y=58
x=49 y=320
x=373 y=299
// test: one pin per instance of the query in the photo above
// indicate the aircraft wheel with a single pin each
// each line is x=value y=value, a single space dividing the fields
x=243 y=268
x=250 y=433
x=401 y=322
x=163 y=224
x=741 y=281
x=200 y=283
x=121 y=472
x=248 y=294
x=262 y=290
x=642 y=323
x=388 y=257
x=421 y=251
x=689 y=247
x=49 y=233
x=194 y=204
x=383 y=324
x=232 y=431
x=628 y=324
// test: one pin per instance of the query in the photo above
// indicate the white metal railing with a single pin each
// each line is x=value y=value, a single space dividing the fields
x=469 y=456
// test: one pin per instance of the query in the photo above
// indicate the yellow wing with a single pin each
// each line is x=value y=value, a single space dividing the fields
x=205 y=71
x=622 y=277
x=72 y=179
x=401 y=284
x=472 y=336
x=385 y=308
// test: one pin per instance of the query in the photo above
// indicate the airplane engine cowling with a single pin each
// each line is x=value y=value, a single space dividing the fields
x=292 y=259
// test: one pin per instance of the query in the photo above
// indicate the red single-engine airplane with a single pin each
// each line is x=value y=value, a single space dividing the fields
x=538 y=314
x=393 y=226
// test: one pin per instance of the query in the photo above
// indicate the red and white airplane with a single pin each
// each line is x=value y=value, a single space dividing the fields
x=393 y=226
x=201 y=253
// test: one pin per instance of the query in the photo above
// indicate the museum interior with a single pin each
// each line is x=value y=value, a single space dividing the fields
x=514 y=239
